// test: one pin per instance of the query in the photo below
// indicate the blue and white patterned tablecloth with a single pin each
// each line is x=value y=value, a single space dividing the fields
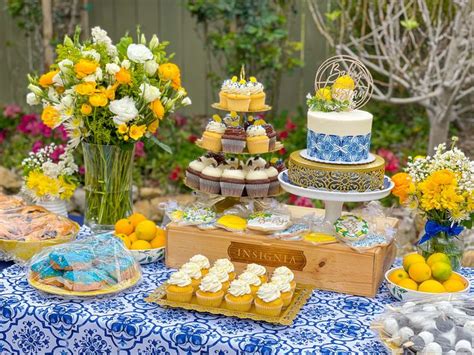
x=35 y=323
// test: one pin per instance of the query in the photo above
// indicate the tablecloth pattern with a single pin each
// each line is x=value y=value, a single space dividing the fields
x=35 y=323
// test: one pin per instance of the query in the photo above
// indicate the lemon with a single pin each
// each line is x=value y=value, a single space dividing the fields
x=441 y=271
x=419 y=272
x=409 y=284
x=454 y=285
x=140 y=245
x=434 y=258
x=160 y=239
x=145 y=230
x=136 y=218
x=412 y=259
x=123 y=226
x=455 y=276
x=431 y=286
x=126 y=240
x=398 y=275
x=133 y=237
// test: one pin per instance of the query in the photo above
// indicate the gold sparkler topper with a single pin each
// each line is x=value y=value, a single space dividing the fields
x=342 y=83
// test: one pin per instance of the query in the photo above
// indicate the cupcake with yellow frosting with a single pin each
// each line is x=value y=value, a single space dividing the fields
x=285 y=289
x=227 y=265
x=268 y=301
x=257 y=139
x=287 y=273
x=238 y=96
x=221 y=275
x=239 y=296
x=258 y=270
x=252 y=279
x=179 y=287
x=257 y=95
x=203 y=263
x=210 y=292
x=194 y=272
x=212 y=136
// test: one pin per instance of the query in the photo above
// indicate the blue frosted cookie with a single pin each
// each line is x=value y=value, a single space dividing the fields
x=43 y=272
x=78 y=259
x=86 y=280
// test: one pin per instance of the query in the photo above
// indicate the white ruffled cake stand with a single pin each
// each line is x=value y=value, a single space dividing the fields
x=334 y=200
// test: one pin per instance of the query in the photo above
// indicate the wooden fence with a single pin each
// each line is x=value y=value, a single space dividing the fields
x=170 y=20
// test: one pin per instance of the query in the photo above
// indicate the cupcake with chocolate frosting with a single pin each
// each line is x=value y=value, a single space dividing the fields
x=233 y=140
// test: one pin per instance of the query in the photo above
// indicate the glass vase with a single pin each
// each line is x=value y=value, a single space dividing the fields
x=108 y=184
x=452 y=246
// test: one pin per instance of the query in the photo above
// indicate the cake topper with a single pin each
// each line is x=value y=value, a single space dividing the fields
x=342 y=83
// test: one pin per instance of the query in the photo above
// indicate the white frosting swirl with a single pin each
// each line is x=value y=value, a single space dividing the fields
x=254 y=88
x=239 y=288
x=179 y=278
x=210 y=283
x=212 y=171
x=268 y=292
x=282 y=283
x=234 y=174
x=221 y=273
x=254 y=131
x=250 y=278
x=271 y=171
x=192 y=269
x=284 y=271
x=256 y=269
x=226 y=85
x=214 y=126
x=201 y=260
x=256 y=175
x=224 y=264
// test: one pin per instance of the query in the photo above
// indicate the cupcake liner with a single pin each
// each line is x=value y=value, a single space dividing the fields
x=193 y=180
x=211 y=143
x=286 y=297
x=272 y=143
x=274 y=188
x=179 y=296
x=222 y=99
x=257 y=190
x=232 y=188
x=241 y=306
x=233 y=145
x=257 y=102
x=195 y=283
x=268 y=310
x=208 y=300
x=239 y=105
x=258 y=147
x=209 y=186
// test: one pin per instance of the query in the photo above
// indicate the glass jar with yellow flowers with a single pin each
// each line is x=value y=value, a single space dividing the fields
x=441 y=188
x=108 y=97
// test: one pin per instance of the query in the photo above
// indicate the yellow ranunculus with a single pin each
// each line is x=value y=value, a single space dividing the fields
x=98 y=99
x=85 y=67
x=157 y=108
x=125 y=138
x=50 y=116
x=136 y=132
x=123 y=76
x=87 y=88
x=67 y=188
x=170 y=71
x=122 y=128
x=403 y=186
x=324 y=94
x=86 y=109
x=443 y=177
x=344 y=82
x=46 y=79
x=152 y=127
x=110 y=92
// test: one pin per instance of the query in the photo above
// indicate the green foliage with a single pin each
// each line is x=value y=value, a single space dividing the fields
x=26 y=13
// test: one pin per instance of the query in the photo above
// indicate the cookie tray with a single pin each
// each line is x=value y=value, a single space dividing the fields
x=287 y=316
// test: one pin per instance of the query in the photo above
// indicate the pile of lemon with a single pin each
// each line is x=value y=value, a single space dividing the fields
x=139 y=233
x=433 y=275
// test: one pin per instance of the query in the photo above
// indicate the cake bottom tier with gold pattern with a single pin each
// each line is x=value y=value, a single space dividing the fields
x=336 y=177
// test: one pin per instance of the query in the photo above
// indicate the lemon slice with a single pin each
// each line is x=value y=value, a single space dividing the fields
x=316 y=237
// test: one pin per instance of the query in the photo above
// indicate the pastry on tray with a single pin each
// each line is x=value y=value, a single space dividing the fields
x=268 y=301
x=239 y=296
x=210 y=291
x=179 y=287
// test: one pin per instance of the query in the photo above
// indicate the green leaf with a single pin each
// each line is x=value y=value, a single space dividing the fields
x=409 y=24
x=333 y=15
x=162 y=145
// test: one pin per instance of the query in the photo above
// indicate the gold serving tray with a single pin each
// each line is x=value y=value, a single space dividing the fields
x=262 y=109
x=278 y=146
x=287 y=316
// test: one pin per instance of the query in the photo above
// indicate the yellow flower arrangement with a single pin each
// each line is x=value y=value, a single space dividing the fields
x=137 y=132
x=344 y=82
x=153 y=127
x=170 y=71
x=122 y=129
x=98 y=99
x=86 y=89
x=157 y=108
x=86 y=109
x=50 y=116
x=123 y=76
x=324 y=94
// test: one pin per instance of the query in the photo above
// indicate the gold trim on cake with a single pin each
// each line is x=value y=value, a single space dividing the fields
x=336 y=177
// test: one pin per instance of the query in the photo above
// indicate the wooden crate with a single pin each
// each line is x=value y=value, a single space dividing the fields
x=333 y=267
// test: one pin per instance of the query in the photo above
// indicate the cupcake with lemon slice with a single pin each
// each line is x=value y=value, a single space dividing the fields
x=268 y=301
x=225 y=88
x=239 y=296
x=179 y=287
x=257 y=139
x=194 y=272
x=212 y=136
x=210 y=292
x=257 y=95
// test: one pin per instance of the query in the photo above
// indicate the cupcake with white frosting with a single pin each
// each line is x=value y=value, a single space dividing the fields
x=257 y=139
x=212 y=136
x=239 y=296
x=179 y=287
x=257 y=95
x=253 y=280
x=193 y=173
x=194 y=272
x=258 y=270
x=283 y=271
x=210 y=179
x=203 y=263
x=285 y=289
x=232 y=182
x=268 y=301
x=274 y=187
x=238 y=97
x=225 y=88
x=222 y=276
x=210 y=292
x=257 y=183
x=227 y=265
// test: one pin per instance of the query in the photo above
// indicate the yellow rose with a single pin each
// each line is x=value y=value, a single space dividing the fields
x=157 y=108
x=50 y=116
x=86 y=109
x=324 y=94
x=122 y=128
x=153 y=126
x=87 y=88
x=123 y=76
x=136 y=132
x=344 y=82
x=98 y=99
x=85 y=67
x=46 y=79
x=170 y=71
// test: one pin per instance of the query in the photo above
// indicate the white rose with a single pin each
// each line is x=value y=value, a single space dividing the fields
x=139 y=53
x=154 y=42
x=35 y=89
x=126 y=63
x=112 y=68
x=187 y=101
x=124 y=109
x=65 y=65
x=149 y=92
x=151 y=67
x=32 y=99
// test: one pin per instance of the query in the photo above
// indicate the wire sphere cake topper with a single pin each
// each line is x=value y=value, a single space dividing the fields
x=341 y=66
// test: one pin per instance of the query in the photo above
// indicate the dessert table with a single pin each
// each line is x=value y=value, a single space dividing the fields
x=32 y=322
